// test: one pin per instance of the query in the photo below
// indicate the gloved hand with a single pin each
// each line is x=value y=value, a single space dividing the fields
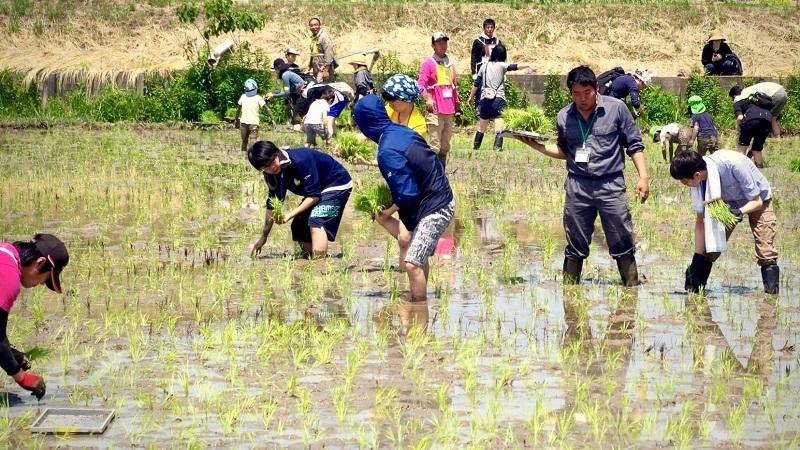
x=32 y=383
x=22 y=359
x=737 y=213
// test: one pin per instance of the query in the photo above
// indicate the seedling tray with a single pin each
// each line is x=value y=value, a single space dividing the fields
x=73 y=421
x=527 y=134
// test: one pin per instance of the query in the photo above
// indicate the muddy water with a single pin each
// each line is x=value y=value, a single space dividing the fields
x=170 y=323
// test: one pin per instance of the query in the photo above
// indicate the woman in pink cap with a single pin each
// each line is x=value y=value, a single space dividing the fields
x=26 y=264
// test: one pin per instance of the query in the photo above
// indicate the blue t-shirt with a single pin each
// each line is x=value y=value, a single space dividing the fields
x=706 y=124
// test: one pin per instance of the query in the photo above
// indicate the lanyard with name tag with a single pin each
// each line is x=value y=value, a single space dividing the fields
x=582 y=155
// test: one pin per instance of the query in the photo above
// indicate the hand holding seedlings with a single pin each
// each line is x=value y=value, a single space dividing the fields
x=21 y=358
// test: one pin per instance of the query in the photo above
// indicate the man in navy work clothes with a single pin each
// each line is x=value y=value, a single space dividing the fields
x=594 y=132
x=420 y=191
x=323 y=183
x=631 y=85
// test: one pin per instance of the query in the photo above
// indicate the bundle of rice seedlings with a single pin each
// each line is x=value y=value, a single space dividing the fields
x=528 y=119
x=349 y=147
x=277 y=209
x=36 y=353
x=720 y=212
x=374 y=200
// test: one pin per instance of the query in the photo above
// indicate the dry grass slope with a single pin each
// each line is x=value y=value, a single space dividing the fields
x=667 y=38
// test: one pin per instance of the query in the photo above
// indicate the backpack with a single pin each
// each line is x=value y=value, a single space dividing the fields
x=762 y=100
x=605 y=79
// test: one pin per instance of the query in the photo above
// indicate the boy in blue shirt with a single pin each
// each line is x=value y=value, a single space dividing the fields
x=703 y=126
x=420 y=191
x=323 y=183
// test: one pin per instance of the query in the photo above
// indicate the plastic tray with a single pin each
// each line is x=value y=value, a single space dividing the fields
x=73 y=421
x=528 y=134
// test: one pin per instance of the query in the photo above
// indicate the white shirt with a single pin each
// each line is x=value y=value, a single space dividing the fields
x=670 y=131
x=317 y=112
x=250 y=109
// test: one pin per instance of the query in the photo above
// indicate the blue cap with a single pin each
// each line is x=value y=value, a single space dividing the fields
x=403 y=87
x=250 y=87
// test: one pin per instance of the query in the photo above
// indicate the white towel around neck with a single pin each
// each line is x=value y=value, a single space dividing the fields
x=715 y=238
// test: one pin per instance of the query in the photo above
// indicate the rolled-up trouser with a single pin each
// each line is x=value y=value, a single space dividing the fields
x=248 y=132
x=762 y=225
x=440 y=132
x=707 y=145
x=585 y=198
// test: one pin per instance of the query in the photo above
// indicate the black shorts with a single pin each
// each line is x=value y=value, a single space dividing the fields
x=755 y=130
x=326 y=214
x=491 y=109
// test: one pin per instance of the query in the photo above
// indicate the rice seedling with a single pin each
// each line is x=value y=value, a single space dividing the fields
x=531 y=119
x=720 y=211
x=350 y=148
x=373 y=200
x=277 y=209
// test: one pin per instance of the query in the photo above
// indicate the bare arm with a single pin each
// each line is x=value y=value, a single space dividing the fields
x=552 y=151
x=307 y=203
x=751 y=206
x=268 y=222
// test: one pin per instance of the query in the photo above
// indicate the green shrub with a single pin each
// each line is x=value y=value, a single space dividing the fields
x=209 y=117
x=515 y=96
x=790 y=119
x=660 y=107
x=555 y=96
x=15 y=98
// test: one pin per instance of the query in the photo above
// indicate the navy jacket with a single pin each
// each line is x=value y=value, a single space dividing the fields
x=623 y=86
x=412 y=170
x=309 y=173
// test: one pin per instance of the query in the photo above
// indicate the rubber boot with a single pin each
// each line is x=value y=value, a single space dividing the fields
x=572 y=271
x=697 y=273
x=476 y=144
x=628 y=271
x=498 y=143
x=771 y=275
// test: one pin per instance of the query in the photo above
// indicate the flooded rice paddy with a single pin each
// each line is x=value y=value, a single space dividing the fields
x=167 y=320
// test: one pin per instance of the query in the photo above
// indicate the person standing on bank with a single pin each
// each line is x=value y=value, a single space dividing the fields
x=322 y=62
x=733 y=178
x=324 y=184
x=26 y=264
x=437 y=77
x=490 y=85
x=482 y=47
x=594 y=133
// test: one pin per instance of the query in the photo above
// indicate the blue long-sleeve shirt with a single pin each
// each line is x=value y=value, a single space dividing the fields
x=412 y=170
x=623 y=86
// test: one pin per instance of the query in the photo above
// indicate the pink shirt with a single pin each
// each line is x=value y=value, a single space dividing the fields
x=10 y=275
x=443 y=92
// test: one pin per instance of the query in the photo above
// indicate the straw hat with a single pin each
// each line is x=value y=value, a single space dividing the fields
x=358 y=61
x=715 y=35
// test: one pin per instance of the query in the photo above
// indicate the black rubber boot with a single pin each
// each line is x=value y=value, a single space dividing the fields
x=498 y=143
x=572 y=271
x=476 y=144
x=697 y=273
x=628 y=270
x=771 y=275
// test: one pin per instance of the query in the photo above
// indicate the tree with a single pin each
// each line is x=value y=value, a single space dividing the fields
x=220 y=17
